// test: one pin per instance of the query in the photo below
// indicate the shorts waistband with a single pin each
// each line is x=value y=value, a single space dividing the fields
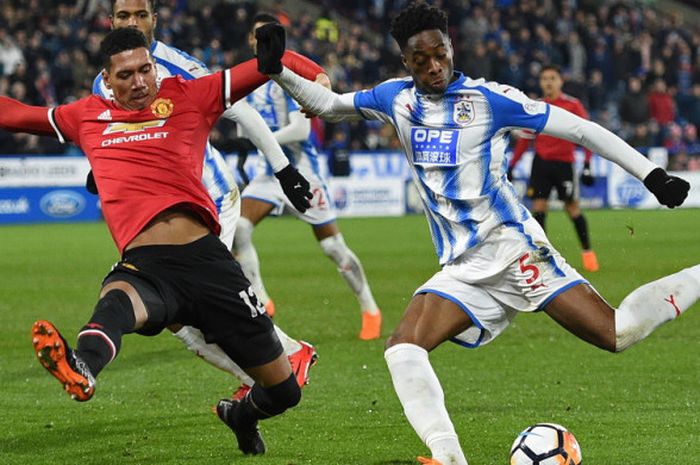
x=206 y=242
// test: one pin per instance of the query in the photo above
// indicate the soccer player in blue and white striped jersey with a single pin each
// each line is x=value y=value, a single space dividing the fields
x=217 y=176
x=496 y=260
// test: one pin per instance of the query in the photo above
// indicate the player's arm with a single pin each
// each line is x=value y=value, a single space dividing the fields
x=670 y=191
x=294 y=185
x=16 y=116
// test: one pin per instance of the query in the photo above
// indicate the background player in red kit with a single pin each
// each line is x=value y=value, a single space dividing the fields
x=553 y=166
x=145 y=149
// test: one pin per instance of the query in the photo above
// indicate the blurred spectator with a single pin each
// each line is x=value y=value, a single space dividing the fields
x=662 y=108
x=634 y=105
x=10 y=53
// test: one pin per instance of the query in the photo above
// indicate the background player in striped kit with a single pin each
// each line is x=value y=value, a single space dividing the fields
x=263 y=196
x=553 y=166
x=496 y=260
x=217 y=178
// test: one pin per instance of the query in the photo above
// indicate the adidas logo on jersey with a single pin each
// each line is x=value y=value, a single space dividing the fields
x=105 y=116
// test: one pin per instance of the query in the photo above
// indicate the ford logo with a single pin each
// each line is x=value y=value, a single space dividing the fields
x=631 y=192
x=62 y=203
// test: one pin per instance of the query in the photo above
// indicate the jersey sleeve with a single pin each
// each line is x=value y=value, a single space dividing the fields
x=511 y=108
x=65 y=120
x=580 y=110
x=378 y=102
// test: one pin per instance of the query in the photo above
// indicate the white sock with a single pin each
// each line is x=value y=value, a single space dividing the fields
x=290 y=345
x=212 y=353
x=247 y=256
x=350 y=269
x=423 y=401
x=655 y=303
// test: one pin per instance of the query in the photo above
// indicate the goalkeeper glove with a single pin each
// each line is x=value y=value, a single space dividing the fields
x=295 y=187
x=271 y=43
x=669 y=190
x=587 y=178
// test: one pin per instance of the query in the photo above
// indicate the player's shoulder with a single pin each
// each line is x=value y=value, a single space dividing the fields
x=570 y=99
x=178 y=62
x=394 y=86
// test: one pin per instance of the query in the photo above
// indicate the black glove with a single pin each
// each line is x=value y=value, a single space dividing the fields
x=90 y=183
x=669 y=190
x=295 y=187
x=587 y=178
x=271 y=43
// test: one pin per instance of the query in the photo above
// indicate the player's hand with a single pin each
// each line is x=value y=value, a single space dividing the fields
x=669 y=190
x=90 y=184
x=587 y=178
x=295 y=187
x=271 y=43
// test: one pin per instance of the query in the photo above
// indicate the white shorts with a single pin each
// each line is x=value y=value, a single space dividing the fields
x=268 y=189
x=527 y=284
x=228 y=216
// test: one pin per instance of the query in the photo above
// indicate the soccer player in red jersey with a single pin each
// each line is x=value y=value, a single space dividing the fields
x=145 y=148
x=553 y=165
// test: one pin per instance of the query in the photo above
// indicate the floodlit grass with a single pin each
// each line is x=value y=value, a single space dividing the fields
x=152 y=405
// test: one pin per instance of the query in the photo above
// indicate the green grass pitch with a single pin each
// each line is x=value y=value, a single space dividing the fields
x=153 y=404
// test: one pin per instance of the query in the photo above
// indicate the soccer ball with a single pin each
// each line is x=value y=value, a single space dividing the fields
x=545 y=444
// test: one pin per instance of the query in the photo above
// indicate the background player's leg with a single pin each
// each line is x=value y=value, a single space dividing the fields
x=584 y=313
x=571 y=205
x=252 y=212
x=429 y=320
x=333 y=245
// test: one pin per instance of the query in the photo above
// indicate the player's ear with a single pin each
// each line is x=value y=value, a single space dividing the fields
x=403 y=61
x=105 y=78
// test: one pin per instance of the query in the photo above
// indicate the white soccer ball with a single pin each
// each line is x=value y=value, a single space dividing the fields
x=545 y=444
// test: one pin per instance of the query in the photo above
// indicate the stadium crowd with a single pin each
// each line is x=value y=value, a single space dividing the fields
x=636 y=69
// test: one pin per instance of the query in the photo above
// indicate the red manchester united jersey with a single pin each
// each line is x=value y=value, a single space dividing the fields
x=147 y=161
x=551 y=148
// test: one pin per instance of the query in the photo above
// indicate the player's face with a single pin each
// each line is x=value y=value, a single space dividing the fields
x=428 y=57
x=132 y=79
x=550 y=83
x=136 y=14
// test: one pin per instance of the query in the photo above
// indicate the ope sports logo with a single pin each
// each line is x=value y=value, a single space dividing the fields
x=631 y=192
x=434 y=146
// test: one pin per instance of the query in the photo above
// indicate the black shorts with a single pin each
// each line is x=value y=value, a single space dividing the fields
x=546 y=175
x=200 y=284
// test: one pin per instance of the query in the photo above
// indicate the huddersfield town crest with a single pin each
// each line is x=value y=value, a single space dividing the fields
x=463 y=113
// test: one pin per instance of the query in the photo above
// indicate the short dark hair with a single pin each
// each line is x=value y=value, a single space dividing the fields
x=417 y=17
x=551 y=67
x=263 y=18
x=121 y=40
x=152 y=3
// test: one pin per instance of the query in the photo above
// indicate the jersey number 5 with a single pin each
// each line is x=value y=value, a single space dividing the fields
x=528 y=269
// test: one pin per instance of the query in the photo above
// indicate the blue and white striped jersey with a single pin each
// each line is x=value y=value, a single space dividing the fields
x=455 y=144
x=275 y=105
x=216 y=175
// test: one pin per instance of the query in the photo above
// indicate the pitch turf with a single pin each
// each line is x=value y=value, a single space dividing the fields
x=152 y=405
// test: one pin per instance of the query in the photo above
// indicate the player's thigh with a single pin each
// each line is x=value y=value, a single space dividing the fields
x=429 y=321
x=584 y=313
x=565 y=183
x=540 y=183
x=325 y=230
x=263 y=196
x=227 y=311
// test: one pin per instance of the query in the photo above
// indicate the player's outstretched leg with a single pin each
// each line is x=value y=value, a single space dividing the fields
x=351 y=270
x=653 y=304
x=60 y=360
